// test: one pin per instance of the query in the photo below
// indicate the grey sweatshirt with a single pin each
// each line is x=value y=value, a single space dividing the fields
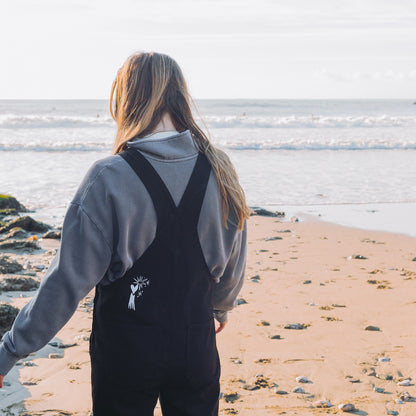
x=108 y=225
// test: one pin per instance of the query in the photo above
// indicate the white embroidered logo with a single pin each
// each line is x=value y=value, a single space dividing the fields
x=140 y=282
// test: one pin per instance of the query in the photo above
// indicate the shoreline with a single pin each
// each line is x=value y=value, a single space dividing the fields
x=392 y=217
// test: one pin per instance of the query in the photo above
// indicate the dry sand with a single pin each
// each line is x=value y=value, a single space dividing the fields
x=331 y=350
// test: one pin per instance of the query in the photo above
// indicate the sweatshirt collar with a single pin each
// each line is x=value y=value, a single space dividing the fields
x=174 y=147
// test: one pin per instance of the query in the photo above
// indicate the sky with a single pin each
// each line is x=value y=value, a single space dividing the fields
x=314 y=49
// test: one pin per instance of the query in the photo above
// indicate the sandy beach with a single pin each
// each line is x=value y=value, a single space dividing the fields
x=330 y=281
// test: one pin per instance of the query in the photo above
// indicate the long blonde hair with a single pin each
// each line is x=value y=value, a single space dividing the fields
x=147 y=86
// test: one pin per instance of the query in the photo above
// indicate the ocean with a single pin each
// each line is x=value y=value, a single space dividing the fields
x=352 y=162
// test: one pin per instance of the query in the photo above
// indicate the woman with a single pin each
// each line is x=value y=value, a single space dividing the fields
x=159 y=228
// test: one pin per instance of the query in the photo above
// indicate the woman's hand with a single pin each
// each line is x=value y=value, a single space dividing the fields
x=221 y=326
x=1 y=381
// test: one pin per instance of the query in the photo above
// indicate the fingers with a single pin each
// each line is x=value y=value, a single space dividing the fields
x=1 y=381
x=221 y=326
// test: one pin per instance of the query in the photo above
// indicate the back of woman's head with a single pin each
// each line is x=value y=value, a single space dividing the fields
x=147 y=86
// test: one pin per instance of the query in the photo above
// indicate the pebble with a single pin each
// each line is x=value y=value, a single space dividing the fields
x=405 y=396
x=323 y=403
x=250 y=387
x=29 y=364
x=346 y=407
x=372 y=328
x=384 y=359
x=263 y=323
x=281 y=392
x=406 y=382
x=295 y=326
x=298 y=390
x=231 y=397
x=378 y=389
x=306 y=282
x=241 y=301
x=273 y=238
x=384 y=376
x=302 y=379
x=399 y=401
x=392 y=412
x=274 y=336
x=237 y=362
x=55 y=355
x=38 y=267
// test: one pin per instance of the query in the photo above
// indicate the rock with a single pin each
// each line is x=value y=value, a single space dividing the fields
x=384 y=359
x=322 y=403
x=378 y=389
x=9 y=266
x=414 y=259
x=306 y=282
x=52 y=234
x=263 y=382
x=294 y=219
x=10 y=283
x=372 y=328
x=281 y=391
x=407 y=382
x=298 y=390
x=241 y=301
x=38 y=267
x=254 y=278
x=8 y=212
x=27 y=223
x=8 y=314
x=263 y=323
x=8 y=201
x=16 y=232
x=274 y=336
x=352 y=379
x=250 y=387
x=61 y=345
x=302 y=379
x=55 y=355
x=263 y=361
x=406 y=397
x=346 y=407
x=237 y=362
x=231 y=397
x=273 y=238
x=265 y=213
x=295 y=326
x=19 y=244
x=384 y=376
x=358 y=257
x=29 y=364
x=392 y=412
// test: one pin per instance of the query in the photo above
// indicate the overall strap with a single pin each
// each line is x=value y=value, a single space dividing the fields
x=161 y=197
x=190 y=205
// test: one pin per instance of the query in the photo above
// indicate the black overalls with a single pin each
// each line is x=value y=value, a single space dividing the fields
x=153 y=331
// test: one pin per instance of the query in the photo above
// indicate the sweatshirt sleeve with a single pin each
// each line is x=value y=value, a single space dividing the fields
x=79 y=264
x=227 y=289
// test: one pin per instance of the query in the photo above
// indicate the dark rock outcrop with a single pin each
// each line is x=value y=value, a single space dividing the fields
x=15 y=232
x=265 y=213
x=19 y=244
x=8 y=201
x=10 y=282
x=8 y=314
x=27 y=223
x=52 y=234
x=9 y=266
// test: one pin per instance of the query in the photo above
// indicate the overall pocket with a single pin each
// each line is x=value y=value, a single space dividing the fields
x=131 y=353
x=203 y=362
